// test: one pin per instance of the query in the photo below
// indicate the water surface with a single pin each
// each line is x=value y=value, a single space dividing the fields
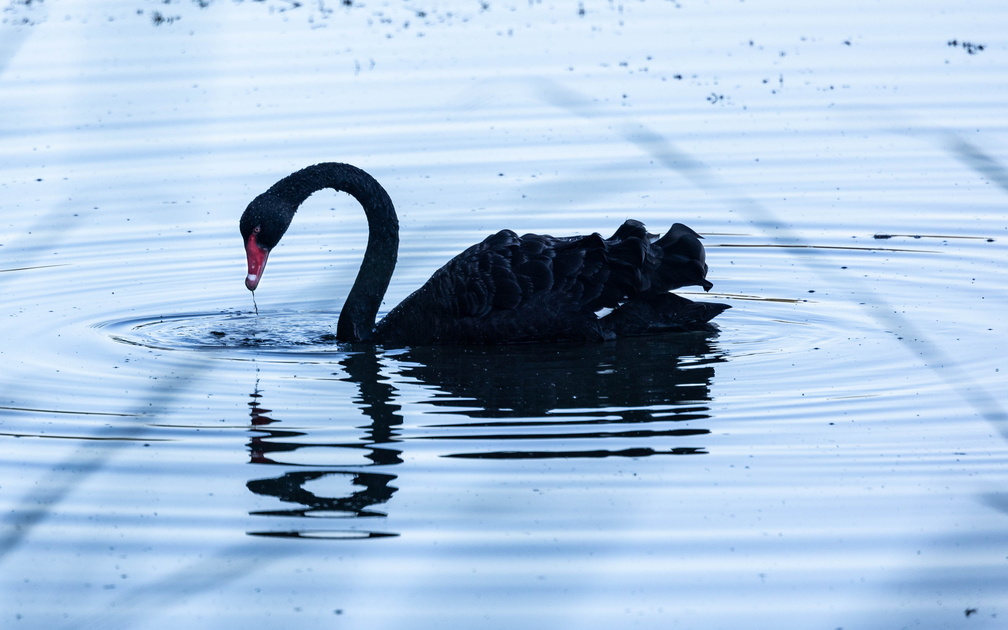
x=834 y=456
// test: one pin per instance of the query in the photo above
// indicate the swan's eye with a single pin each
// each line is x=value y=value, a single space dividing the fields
x=256 y=230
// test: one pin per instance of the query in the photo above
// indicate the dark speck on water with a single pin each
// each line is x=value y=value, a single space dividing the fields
x=969 y=47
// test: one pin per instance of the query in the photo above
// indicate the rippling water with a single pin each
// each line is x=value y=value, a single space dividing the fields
x=834 y=456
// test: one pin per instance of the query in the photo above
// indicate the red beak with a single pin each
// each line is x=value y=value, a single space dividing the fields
x=257 y=256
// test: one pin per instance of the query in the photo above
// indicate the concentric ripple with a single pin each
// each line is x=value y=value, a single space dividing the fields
x=311 y=331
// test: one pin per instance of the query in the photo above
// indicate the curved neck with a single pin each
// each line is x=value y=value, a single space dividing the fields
x=357 y=319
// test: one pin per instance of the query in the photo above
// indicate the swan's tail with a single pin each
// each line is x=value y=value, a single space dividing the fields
x=647 y=268
x=657 y=265
x=663 y=312
x=683 y=261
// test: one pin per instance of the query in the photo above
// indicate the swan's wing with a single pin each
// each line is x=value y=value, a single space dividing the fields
x=507 y=272
x=584 y=273
x=512 y=288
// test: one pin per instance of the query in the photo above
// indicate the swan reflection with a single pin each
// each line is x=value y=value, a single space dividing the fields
x=368 y=489
x=629 y=378
x=631 y=398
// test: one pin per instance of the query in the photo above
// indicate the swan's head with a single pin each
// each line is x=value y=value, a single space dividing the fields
x=262 y=225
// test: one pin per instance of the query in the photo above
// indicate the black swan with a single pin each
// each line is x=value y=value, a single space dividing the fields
x=507 y=289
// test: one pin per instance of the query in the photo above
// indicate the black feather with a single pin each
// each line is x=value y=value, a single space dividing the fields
x=538 y=287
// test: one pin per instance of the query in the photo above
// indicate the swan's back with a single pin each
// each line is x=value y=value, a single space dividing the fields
x=513 y=289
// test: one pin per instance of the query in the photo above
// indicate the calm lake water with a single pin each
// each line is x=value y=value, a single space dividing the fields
x=834 y=457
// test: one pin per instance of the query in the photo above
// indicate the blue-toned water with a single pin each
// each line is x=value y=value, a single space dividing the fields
x=833 y=457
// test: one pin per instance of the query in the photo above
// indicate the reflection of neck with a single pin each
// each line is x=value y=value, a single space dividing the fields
x=376 y=394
